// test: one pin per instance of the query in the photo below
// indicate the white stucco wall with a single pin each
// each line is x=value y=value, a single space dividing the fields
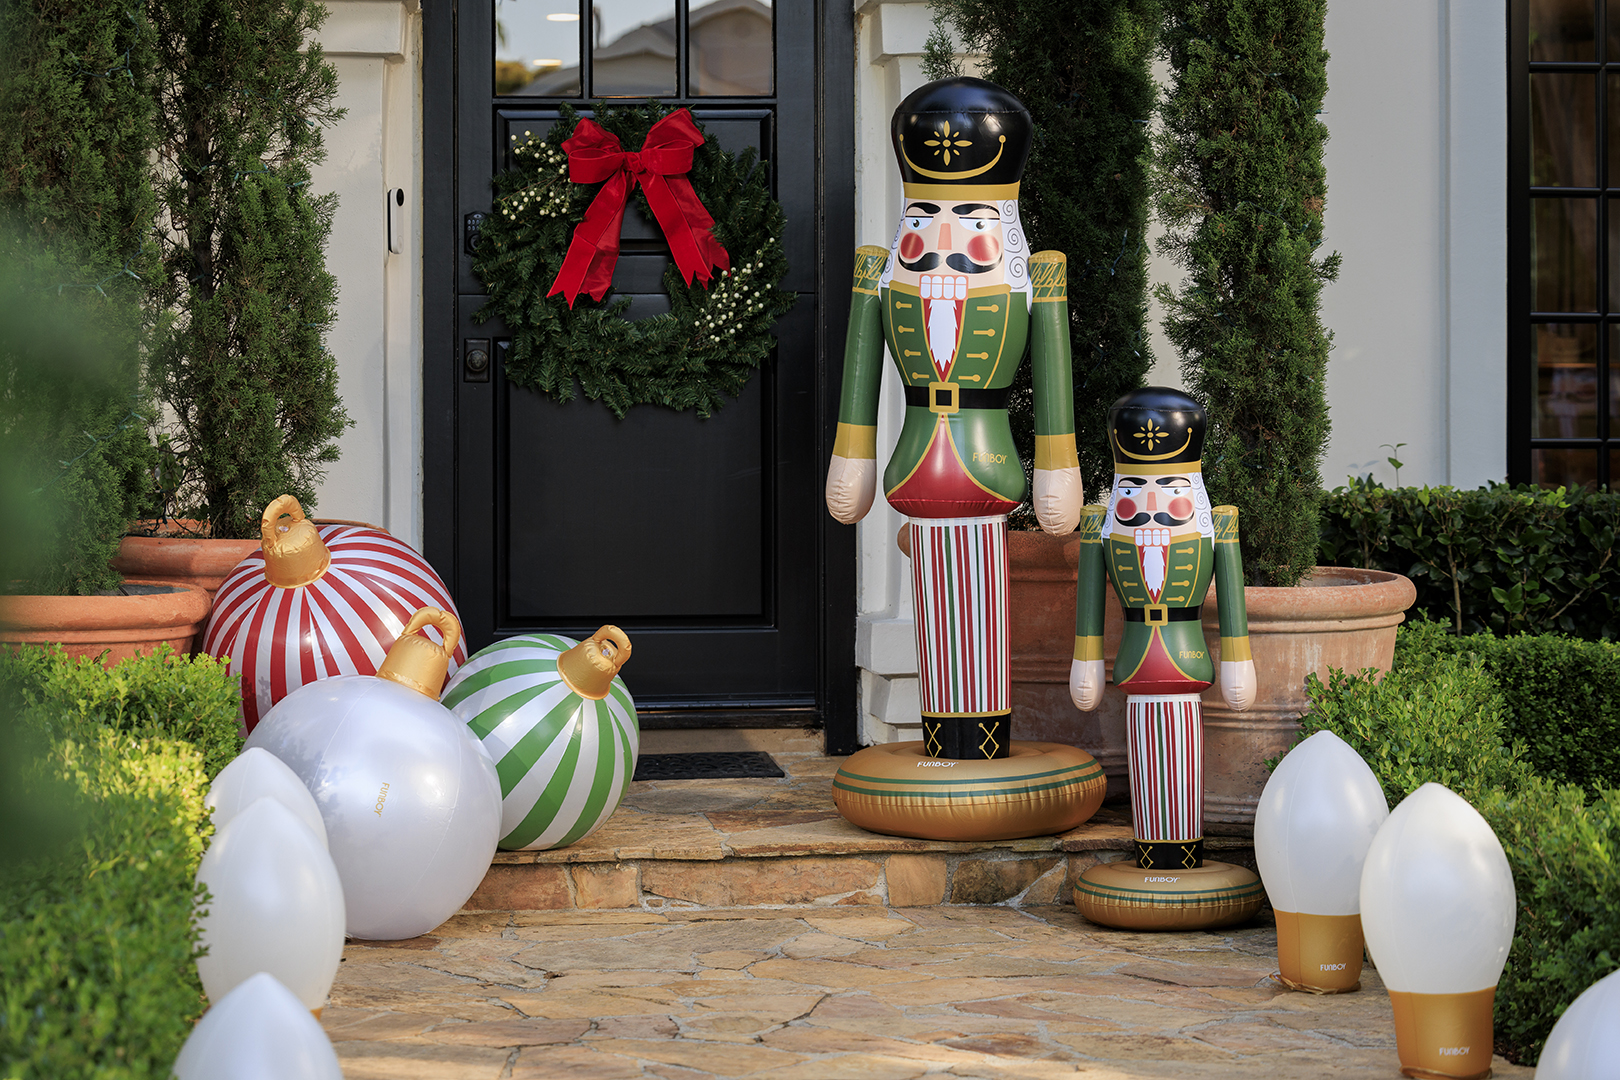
x=377 y=339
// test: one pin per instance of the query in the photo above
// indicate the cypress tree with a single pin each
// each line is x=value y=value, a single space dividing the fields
x=76 y=212
x=251 y=388
x=1241 y=192
x=1084 y=71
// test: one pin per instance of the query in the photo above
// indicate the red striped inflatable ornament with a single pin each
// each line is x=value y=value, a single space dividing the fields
x=316 y=601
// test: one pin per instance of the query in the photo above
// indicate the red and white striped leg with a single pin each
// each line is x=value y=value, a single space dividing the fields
x=1166 y=755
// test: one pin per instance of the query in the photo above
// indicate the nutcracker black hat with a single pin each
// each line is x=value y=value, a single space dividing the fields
x=962 y=131
x=1156 y=427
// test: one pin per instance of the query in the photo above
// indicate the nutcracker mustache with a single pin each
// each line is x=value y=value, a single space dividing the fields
x=958 y=261
x=929 y=260
x=1162 y=519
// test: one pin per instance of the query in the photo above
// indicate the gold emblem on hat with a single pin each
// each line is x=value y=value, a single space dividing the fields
x=1150 y=435
x=945 y=144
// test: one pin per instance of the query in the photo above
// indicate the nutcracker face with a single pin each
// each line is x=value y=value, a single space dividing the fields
x=1145 y=507
x=956 y=238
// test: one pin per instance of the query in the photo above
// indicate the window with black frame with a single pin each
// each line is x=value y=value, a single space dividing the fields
x=1564 y=288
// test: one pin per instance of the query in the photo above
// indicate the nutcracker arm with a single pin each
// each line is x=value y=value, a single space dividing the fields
x=852 y=473
x=1086 y=675
x=1058 y=493
x=1238 y=683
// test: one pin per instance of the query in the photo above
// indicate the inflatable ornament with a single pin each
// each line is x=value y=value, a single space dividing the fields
x=315 y=602
x=557 y=720
x=259 y=1031
x=1437 y=908
x=1585 y=1043
x=253 y=775
x=1316 y=819
x=959 y=300
x=276 y=905
x=1159 y=544
x=411 y=802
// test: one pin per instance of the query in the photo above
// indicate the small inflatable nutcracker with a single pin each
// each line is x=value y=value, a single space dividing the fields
x=959 y=300
x=1160 y=542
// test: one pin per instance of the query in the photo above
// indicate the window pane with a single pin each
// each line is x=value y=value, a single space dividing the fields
x=1564 y=358
x=1563 y=239
x=1564 y=468
x=1562 y=29
x=731 y=47
x=1563 y=129
x=537 y=48
x=633 y=48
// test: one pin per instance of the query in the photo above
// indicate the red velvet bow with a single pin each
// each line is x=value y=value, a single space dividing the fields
x=594 y=156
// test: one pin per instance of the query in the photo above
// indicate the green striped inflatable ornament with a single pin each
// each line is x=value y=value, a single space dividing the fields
x=560 y=726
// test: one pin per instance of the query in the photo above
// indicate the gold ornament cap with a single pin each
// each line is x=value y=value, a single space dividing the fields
x=1319 y=954
x=589 y=667
x=417 y=662
x=1444 y=1036
x=293 y=552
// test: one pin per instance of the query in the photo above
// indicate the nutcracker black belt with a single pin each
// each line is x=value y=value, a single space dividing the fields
x=947 y=397
x=1158 y=614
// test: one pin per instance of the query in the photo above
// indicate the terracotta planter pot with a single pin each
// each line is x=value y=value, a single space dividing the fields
x=125 y=625
x=196 y=560
x=1337 y=618
x=1041 y=595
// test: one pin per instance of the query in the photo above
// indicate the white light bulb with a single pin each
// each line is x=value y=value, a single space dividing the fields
x=1585 y=1043
x=254 y=774
x=260 y=1031
x=276 y=905
x=1317 y=817
x=1437 y=907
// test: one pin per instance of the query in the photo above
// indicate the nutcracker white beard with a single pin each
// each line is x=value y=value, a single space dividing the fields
x=942 y=332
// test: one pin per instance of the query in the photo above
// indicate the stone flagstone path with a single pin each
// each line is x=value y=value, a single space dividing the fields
x=829 y=993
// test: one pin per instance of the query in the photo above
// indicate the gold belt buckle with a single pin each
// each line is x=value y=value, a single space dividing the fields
x=1156 y=614
x=950 y=405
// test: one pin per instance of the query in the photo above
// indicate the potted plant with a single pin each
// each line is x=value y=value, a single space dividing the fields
x=1084 y=72
x=75 y=130
x=251 y=392
x=1241 y=189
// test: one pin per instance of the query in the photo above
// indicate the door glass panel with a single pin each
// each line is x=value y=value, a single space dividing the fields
x=537 y=48
x=731 y=47
x=1564 y=358
x=1563 y=130
x=1564 y=468
x=1562 y=29
x=633 y=48
x=1563 y=241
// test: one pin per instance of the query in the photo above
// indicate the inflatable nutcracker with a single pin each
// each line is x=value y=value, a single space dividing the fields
x=959 y=301
x=1159 y=542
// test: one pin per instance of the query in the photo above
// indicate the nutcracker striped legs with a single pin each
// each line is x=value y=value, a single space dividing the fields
x=959 y=591
x=1166 y=756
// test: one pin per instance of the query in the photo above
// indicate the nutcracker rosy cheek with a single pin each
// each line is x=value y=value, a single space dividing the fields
x=984 y=249
x=1181 y=508
x=1125 y=509
x=911 y=246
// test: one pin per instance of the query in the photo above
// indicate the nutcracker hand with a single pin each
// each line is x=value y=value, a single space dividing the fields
x=1086 y=683
x=851 y=485
x=1058 y=499
x=1237 y=683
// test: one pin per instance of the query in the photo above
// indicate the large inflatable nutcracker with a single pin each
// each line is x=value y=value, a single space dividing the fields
x=1160 y=542
x=959 y=300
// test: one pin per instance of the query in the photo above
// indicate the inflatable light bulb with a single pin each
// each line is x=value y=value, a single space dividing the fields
x=411 y=802
x=253 y=775
x=259 y=1031
x=1316 y=819
x=1585 y=1043
x=277 y=905
x=561 y=726
x=1437 y=907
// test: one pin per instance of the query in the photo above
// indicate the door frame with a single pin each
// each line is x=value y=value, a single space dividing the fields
x=837 y=694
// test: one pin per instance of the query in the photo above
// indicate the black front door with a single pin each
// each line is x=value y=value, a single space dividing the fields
x=706 y=540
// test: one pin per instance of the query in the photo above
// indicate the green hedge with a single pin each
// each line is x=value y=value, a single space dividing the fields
x=1486 y=716
x=1507 y=559
x=192 y=698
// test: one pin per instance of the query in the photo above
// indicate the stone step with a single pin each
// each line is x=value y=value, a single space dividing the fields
x=684 y=844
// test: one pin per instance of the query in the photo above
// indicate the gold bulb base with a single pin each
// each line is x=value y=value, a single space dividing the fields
x=417 y=662
x=1319 y=954
x=1444 y=1036
x=588 y=669
x=293 y=552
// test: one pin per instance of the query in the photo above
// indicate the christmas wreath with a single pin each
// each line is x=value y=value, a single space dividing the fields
x=546 y=254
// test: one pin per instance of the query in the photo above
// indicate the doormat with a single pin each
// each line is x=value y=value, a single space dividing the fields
x=722 y=765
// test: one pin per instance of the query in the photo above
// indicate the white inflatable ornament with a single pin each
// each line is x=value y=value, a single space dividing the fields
x=1585 y=1043
x=1316 y=819
x=411 y=802
x=1437 y=907
x=260 y=1031
x=276 y=905
x=253 y=775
